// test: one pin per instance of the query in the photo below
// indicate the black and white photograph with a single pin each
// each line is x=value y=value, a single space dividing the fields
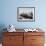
x=26 y=14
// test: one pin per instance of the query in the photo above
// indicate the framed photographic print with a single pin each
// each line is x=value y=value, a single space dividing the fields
x=26 y=14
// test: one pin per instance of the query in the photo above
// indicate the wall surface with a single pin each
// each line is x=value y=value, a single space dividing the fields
x=8 y=13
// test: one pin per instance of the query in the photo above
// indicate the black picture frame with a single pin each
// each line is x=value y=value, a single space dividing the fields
x=25 y=14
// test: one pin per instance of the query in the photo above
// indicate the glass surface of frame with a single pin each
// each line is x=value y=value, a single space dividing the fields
x=26 y=14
